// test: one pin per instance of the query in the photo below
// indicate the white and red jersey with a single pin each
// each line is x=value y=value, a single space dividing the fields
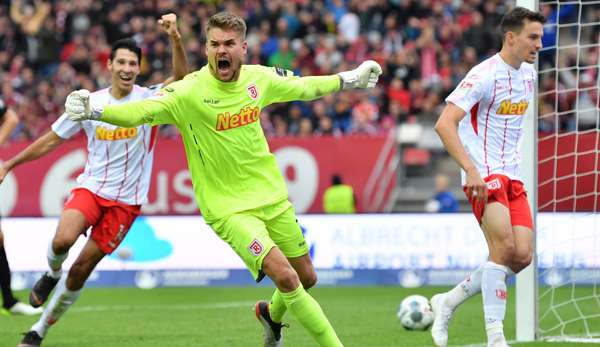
x=495 y=96
x=119 y=161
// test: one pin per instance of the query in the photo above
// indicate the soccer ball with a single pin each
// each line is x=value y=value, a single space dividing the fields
x=415 y=313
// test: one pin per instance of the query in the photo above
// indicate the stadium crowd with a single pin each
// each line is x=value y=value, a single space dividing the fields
x=48 y=49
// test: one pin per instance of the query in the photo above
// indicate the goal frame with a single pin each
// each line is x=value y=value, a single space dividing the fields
x=527 y=305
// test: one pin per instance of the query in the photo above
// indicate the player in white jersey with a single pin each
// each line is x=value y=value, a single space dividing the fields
x=111 y=189
x=482 y=129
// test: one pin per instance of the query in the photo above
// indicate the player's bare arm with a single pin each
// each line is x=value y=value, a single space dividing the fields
x=10 y=123
x=168 y=25
x=43 y=145
x=447 y=129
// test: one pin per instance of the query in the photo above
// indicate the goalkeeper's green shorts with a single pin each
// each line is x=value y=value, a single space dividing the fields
x=253 y=233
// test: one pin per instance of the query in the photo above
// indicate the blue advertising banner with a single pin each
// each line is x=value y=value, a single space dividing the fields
x=409 y=250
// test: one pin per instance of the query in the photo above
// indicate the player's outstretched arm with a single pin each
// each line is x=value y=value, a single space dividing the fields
x=130 y=114
x=447 y=129
x=288 y=88
x=168 y=24
x=38 y=148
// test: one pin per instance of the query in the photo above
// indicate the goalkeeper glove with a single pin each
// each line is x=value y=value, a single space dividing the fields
x=364 y=76
x=77 y=106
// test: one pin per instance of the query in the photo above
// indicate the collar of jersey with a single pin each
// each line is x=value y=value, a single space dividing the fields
x=507 y=64
x=121 y=100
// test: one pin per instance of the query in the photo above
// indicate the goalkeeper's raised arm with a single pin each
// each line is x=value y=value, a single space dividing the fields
x=286 y=87
x=281 y=86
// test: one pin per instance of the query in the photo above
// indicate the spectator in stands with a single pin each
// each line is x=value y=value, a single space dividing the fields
x=280 y=126
x=284 y=57
x=398 y=93
x=364 y=116
x=444 y=200
x=339 y=197
x=305 y=129
x=397 y=114
x=349 y=27
x=30 y=20
x=326 y=128
x=295 y=118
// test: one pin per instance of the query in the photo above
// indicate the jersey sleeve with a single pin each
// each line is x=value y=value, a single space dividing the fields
x=469 y=91
x=65 y=128
x=159 y=108
x=284 y=86
x=153 y=90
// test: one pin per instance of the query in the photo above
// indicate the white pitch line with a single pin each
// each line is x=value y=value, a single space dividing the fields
x=479 y=344
x=471 y=345
x=178 y=307
x=513 y=342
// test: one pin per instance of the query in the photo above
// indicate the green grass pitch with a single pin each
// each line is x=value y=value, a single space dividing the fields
x=215 y=317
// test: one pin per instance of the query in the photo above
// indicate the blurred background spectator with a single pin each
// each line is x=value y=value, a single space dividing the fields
x=339 y=197
x=444 y=200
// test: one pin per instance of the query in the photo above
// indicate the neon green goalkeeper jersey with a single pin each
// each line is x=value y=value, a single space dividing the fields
x=228 y=156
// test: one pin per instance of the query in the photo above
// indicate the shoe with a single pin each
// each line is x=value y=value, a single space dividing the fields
x=497 y=341
x=441 y=318
x=41 y=290
x=31 y=339
x=20 y=308
x=272 y=335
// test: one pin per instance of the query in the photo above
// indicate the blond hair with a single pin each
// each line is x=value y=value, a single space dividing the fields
x=227 y=21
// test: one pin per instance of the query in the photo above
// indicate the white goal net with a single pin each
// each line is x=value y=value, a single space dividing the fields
x=568 y=240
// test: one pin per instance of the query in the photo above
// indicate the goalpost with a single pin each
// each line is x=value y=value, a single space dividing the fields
x=566 y=116
x=526 y=288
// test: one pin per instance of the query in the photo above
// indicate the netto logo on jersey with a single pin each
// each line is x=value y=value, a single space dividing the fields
x=247 y=115
x=105 y=134
x=510 y=108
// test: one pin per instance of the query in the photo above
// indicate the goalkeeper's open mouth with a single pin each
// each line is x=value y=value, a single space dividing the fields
x=223 y=66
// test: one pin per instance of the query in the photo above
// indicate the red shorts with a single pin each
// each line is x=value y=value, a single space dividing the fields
x=110 y=220
x=509 y=193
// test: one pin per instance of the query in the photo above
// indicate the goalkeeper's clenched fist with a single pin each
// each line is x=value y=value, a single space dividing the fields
x=77 y=106
x=364 y=76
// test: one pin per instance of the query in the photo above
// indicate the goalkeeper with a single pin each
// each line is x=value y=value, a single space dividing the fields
x=237 y=182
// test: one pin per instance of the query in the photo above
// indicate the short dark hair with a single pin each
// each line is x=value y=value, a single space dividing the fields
x=227 y=21
x=336 y=179
x=128 y=44
x=514 y=19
